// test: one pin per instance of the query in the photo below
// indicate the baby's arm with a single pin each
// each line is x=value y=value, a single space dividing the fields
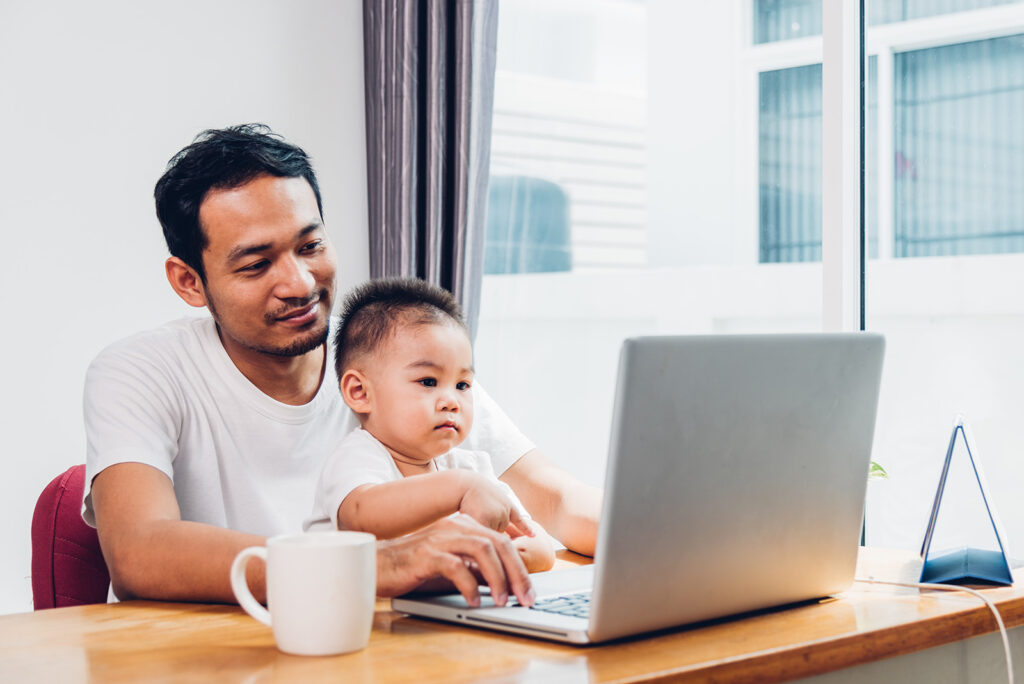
x=392 y=509
x=537 y=552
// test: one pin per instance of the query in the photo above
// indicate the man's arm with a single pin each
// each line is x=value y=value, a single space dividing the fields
x=151 y=553
x=569 y=509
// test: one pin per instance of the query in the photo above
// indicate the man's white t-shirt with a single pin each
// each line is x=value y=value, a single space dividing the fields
x=361 y=459
x=171 y=398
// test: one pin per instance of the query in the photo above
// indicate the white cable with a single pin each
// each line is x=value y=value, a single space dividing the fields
x=953 y=587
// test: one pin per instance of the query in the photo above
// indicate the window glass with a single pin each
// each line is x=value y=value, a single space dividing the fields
x=776 y=20
x=944 y=286
x=568 y=150
x=789 y=169
x=656 y=170
x=625 y=200
x=887 y=11
x=960 y=149
x=786 y=19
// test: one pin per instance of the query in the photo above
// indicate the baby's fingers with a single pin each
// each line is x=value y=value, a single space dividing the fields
x=518 y=526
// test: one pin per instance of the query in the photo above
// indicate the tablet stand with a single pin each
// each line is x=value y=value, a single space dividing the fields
x=963 y=564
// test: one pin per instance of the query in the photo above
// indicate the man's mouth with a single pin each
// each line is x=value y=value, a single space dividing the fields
x=300 y=316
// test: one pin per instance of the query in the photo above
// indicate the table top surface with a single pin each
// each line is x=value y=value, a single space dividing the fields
x=151 y=641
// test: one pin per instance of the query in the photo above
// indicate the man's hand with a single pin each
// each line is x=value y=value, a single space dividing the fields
x=489 y=505
x=448 y=548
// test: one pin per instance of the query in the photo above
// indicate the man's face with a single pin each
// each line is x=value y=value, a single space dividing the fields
x=269 y=266
x=420 y=383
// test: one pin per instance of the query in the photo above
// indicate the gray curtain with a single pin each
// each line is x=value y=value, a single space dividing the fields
x=429 y=96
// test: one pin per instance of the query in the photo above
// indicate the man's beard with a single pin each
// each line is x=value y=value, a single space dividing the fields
x=298 y=347
x=312 y=340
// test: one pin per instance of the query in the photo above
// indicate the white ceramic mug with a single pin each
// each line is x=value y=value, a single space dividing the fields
x=321 y=590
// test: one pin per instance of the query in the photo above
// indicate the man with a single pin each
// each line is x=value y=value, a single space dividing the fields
x=207 y=435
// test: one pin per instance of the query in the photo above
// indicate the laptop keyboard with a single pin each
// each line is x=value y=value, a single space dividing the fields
x=574 y=605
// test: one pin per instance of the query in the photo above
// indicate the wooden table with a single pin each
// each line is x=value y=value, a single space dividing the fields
x=147 y=641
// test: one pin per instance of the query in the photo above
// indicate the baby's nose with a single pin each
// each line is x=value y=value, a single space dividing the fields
x=448 y=402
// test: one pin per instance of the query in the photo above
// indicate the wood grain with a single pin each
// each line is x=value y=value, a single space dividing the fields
x=149 y=641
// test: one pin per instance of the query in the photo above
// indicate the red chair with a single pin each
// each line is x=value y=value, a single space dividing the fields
x=67 y=566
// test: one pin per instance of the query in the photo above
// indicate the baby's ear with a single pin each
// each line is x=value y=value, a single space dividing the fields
x=355 y=390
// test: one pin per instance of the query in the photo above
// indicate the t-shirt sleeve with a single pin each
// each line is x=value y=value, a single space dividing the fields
x=495 y=433
x=356 y=462
x=132 y=415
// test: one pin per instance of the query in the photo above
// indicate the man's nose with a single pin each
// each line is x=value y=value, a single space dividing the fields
x=294 y=279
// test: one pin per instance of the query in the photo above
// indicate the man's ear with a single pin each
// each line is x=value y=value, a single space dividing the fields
x=185 y=281
x=355 y=390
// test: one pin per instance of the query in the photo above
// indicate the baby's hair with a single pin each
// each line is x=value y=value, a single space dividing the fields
x=373 y=310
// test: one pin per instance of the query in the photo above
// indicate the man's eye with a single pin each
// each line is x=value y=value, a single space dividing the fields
x=313 y=246
x=254 y=267
x=462 y=386
x=428 y=382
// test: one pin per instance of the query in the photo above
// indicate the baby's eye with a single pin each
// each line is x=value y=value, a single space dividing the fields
x=428 y=382
x=462 y=386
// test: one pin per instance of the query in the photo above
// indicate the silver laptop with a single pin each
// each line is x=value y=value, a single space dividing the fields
x=735 y=482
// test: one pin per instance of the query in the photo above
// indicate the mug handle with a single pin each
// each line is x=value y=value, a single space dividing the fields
x=241 y=587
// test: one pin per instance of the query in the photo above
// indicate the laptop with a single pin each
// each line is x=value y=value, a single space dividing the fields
x=735 y=482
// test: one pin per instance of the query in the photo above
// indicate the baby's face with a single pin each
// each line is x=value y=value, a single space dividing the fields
x=421 y=387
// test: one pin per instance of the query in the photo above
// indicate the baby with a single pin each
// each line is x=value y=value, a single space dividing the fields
x=405 y=368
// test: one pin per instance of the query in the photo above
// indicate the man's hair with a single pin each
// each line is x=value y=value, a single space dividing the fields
x=220 y=159
x=374 y=310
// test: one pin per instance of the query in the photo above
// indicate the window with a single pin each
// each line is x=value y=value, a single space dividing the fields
x=683 y=151
x=952 y=189
x=568 y=156
x=789 y=164
x=623 y=201
x=945 y=285
x=959 y=149
x=786 y=19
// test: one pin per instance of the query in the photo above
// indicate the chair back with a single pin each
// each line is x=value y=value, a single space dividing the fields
x=67 y=566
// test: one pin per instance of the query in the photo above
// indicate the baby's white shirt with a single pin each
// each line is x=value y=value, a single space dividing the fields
x=361 y=459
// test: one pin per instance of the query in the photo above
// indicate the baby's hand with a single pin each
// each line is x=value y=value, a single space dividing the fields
x=486 y=503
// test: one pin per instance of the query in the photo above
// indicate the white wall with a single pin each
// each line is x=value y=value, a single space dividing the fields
x=96 y=97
